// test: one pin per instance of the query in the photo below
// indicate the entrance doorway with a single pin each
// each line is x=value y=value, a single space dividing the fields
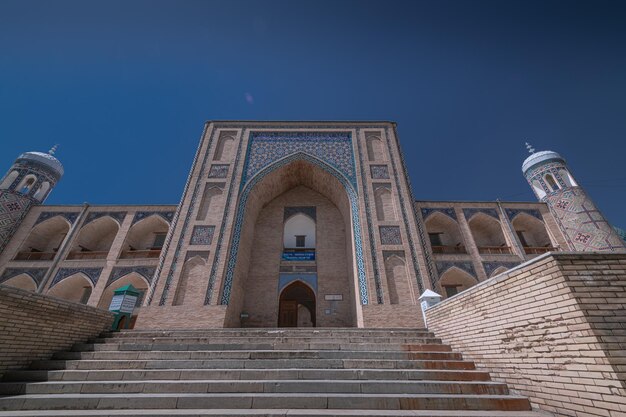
x=296 y=307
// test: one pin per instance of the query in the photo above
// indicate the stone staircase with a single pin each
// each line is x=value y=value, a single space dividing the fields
x=259 y=372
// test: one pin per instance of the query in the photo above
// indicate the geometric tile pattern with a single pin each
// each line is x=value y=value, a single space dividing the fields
x=379 y=172
x=511 y=213
x=443 y=266
x=202 y=235
x=469 y=212
x=118 y=272
x=490 y=267
x=140 y=215
x=13 y=208
x=448 y=211
x=118 y=216
x=36 y=274
x=69 y=216
x=218 y=171
x=92 y=273
x=390 y=235
x=334 y=148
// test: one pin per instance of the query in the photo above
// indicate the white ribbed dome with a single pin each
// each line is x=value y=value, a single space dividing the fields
x=539 y=157
x=44 y=159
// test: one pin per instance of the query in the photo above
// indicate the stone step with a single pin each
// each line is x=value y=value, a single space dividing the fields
x=253 y=374
x=272 y=413
x=323 y=332
x=254 y=386
x=264 y=401
x=252 y=364
x=256 y=354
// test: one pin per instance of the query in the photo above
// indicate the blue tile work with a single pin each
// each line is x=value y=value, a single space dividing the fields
x=352 y=196
x=448 y=211
x=118 y=216
x=309 y=211
x=443 y=266
x=69 y=216
x=334 y=148
x=284 y=279
x=37 y=274
x=202 y=235
x=379 y=172
x=390 y=235
x=470 y=212
x=218 y=171
x=92 y=273
x=370 y=228
x=13 y=208
x=140 y=215
x=492 y=266
x=511 y=213
x=119 y=272
x=405 y=216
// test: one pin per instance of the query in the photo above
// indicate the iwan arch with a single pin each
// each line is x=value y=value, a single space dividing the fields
x=287 y=224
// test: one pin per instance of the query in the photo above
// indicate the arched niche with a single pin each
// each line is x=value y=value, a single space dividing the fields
x=212 y=193
x=399 y=287
x=94 y=239
x=26 y=185
x=145 y=238
x=297 y=306
x=298 y=170
x=44 y=240
x=539 y=191
x=134 y=279
x=22 y=281
x=444 y=233
x=551 y=182
x=192 y=283
x=299 y=232
x=385 y=206
x=375 y=150
x=224 y=149
x=488 y=235
x=9 y=180
x=76 y=288
x=532 y=234
x=567 y=178
x=42 y=191
x=453 y=281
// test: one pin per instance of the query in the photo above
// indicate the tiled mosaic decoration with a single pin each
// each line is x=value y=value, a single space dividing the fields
x=202 y=235
x=470 y=212
x=218 y=171
x=309 y=211
x=37 y=274
x=334 y=148
x=443 y=266
x=352 y=196
x=13 y=208
x=379 y=172
x=511 y=213
x=92 y=273
x=119 y=272
x=118 y=216
x=448 y=211
x=69 y=216
x=166 y=215
x=490 y=267
x=390 y=235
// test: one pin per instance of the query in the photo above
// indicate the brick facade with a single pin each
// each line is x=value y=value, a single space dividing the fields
x=554 y=329
x=34 y=326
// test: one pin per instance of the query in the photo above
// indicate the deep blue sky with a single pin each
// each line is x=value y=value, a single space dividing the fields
x=125 y=87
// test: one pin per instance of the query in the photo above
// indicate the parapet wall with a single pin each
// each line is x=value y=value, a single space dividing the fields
x=554 y=329
x=34 y=326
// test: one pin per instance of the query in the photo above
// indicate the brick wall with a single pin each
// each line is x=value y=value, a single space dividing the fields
x=392 y=316
x=34 y=326
x=554 y=329
x=182 y=317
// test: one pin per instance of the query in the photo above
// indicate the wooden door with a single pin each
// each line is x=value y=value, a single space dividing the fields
x=288 y=313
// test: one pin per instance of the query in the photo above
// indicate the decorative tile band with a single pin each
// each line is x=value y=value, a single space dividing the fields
x=352 y=196
x=218 y=171
x=511 y=213
x=37 y=274
x=468 y=267
x=379 y=172
x=119 y=272
x=202 y=235
x=118 y=216
x=165 y=215
x=70 y=217
x=92 y=273
x=448 y=211
x=390 y=235
x=490 y=267
x=471 y=212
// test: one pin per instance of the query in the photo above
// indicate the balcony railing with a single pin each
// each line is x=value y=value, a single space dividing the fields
x=449 y=249
x=536 y=250
x=87 y=255
x=35 y=256
x=140 y=254
x=494 y=250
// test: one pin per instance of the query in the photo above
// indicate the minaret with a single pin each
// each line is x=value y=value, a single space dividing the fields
x=28 y=182
x=584 y=227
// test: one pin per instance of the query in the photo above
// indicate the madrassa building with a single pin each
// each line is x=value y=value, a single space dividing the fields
x=288 y=224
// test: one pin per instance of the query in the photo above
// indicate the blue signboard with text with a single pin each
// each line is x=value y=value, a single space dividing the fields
x=308 y=255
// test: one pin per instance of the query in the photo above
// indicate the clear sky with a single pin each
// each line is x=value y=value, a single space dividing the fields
x=125 y=86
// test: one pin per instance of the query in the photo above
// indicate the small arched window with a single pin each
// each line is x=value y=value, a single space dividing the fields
x=299 y=232
x=9 y=179
x=26 y=185
x=42 y=191
x=551 y=182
